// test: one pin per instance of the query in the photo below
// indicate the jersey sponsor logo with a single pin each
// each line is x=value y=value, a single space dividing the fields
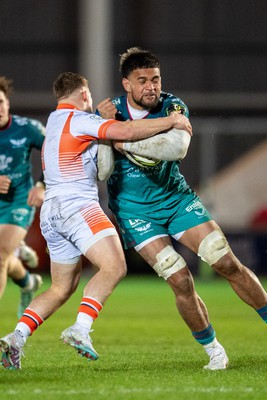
x=144 y=227
x=139 y=225
x=197 y=207
x=18 y=142
x=19 y=214
x=4 y=162
x=96 y=118
x=16 y=175
x=116 y=101
x=21 y=121
x=135 y=222
x=38 y=125
x=137 y=172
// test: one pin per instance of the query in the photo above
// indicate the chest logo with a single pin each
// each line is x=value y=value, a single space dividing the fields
x=18 y=142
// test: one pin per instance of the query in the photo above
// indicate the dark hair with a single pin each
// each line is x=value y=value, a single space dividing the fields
x=136 y=58
x=6 y=86
x=66 y=83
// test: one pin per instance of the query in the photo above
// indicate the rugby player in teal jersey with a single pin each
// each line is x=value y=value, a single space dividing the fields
x=155 y=205
x=18 y=195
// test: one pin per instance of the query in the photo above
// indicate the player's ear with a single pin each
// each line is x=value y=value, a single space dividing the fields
x=126 y=84
x=84 y=95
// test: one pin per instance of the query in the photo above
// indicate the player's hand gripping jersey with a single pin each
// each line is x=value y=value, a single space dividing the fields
x=146 y=190
x=70 y=152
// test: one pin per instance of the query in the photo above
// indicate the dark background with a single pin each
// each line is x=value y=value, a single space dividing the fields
x=213 y=55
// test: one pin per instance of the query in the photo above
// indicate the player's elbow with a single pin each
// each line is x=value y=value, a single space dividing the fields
x=177 y=142
x=182 y=148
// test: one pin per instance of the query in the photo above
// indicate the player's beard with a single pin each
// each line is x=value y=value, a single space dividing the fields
x=146 y=105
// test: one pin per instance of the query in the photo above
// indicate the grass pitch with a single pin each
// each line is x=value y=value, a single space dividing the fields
x=146 y=350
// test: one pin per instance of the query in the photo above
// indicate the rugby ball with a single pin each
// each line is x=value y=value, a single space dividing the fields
x=143 y=162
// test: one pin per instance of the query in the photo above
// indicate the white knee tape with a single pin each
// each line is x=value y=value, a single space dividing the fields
x=169 y=262
x=213 y=247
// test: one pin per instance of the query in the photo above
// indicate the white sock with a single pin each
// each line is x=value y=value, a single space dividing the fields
x=24 y=330
x=210 y=347
x=83 y=323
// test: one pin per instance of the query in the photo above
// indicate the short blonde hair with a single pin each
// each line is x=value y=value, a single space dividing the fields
x=66 y=83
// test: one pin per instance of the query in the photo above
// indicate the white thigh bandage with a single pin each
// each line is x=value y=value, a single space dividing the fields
x=213 y=247
x=169 y=262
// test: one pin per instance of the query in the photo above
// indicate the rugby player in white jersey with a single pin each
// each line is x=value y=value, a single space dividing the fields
x=72 y=221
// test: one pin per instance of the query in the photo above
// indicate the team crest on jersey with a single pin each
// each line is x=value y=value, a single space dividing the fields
x=175 y=107
x=18 y=142
x=4 y=162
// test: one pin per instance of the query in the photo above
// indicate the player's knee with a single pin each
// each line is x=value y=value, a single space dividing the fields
x=116 y=271
x=184 y=285
x=228 y=265
x=121 y=271
x=168 y=262
x=213 y=247
x=3 y=260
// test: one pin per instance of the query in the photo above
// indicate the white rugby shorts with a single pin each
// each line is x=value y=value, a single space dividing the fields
x=71 y=225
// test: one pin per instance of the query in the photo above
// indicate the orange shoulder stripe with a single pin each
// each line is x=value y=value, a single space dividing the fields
x=102 y=133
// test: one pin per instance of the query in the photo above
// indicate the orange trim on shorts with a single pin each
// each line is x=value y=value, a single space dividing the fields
x=96 y=219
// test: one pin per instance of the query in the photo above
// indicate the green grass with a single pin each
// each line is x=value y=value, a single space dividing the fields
x=146 y=350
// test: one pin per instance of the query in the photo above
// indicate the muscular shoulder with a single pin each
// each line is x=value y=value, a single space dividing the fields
x=32 y=125
x=169 y=102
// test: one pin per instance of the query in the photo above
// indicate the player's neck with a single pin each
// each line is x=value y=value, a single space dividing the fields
x=6 y=123
x=136 y=113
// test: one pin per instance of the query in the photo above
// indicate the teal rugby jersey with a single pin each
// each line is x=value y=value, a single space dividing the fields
x=16 y=142
x=134 y=189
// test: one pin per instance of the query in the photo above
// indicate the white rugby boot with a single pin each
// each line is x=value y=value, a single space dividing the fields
x=27 y=255
x=11 y=348
x=26 y=294
x=218 y=359
x=83 y=344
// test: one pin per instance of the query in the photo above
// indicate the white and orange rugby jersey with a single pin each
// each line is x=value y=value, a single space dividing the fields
x=69 y=153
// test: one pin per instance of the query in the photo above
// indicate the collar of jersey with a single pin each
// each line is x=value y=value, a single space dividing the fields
x=66 y=105
x=8 y=124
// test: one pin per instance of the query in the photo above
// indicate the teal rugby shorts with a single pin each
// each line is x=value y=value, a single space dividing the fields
x=16 y=212
x=136 y=228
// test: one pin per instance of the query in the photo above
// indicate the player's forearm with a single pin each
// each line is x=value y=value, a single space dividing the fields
x=170 y=146
x=141 y=128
